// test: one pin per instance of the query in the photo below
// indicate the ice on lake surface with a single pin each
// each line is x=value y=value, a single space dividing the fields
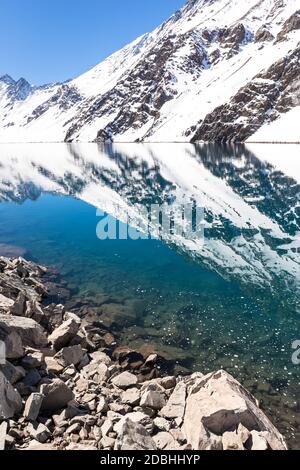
x=232 y=301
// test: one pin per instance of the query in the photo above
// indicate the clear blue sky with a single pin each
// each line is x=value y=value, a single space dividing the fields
x=53 y=40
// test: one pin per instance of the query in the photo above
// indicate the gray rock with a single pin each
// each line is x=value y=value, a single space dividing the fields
x=57 y=395
x=5 y=303
x=243 y=434
x=12 y=373
x=168 y=382
x=114 y=416
x=259 y=441
x=10 y=399
x=154 y=400
x=153 y=385
x=232 y=441
x=165 y=440
x=38 y=446
x=70 y=355
x=20 y=332
x=39 y=432
x=175 y=406
x=73 y=429
x=32 y=378
x=102 y=373
x=33 y=406
x=106 y=427
x=52 y=365
x=13 y=344
x=125 y=380
x=133 y=436
x=119 y=408
x=3 y=431
x=272 y=440
x=33 y=360
x=107 y=442
x=19 y=306
x=62 y=335
x=178 y=435
x=136 y=417
x=131 y=396
x=82 y=384
x=162 y=424
x=100 y=357
x=102 y=405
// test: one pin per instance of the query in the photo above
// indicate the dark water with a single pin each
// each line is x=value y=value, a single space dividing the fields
x=232 y=303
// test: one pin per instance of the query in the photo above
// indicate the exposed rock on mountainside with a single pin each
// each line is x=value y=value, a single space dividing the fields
x=292 y=24
x=263 y=100
x=70 y=394
x=170 y=85
x=263 y=34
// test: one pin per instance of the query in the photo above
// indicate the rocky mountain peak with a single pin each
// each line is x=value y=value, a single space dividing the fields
x=7 y=79
x=20 y=90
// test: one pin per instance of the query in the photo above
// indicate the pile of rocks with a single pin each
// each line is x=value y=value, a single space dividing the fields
x=60 y=390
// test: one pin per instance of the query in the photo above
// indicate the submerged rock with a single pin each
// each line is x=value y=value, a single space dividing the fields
x=11 y=251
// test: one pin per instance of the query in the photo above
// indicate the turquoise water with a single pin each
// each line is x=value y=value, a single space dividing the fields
x=157 y=294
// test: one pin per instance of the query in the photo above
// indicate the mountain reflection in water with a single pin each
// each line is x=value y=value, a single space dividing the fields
x=232 y=302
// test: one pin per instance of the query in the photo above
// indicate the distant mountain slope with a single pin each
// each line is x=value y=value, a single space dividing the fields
x=217 y=70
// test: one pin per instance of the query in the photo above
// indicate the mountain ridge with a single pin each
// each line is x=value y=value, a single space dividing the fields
x=211 y=72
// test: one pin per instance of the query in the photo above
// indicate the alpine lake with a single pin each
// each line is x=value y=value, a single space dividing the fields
x=229 y=299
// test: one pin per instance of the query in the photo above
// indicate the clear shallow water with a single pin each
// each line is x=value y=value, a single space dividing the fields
x=232 y=303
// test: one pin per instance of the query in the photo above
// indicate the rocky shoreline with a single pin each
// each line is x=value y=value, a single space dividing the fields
x=66 y=384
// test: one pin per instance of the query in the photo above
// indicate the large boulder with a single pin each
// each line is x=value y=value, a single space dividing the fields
x=56 y=395
x=62 y=335
x=20 y=332
x=125 y=380
x=70 y=355
x=10 y=399
x=153 y=399
x=217 y=404
x=175 y=406
x=33 y=406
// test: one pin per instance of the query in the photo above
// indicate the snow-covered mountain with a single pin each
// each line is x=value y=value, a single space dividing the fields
x=217 y=70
